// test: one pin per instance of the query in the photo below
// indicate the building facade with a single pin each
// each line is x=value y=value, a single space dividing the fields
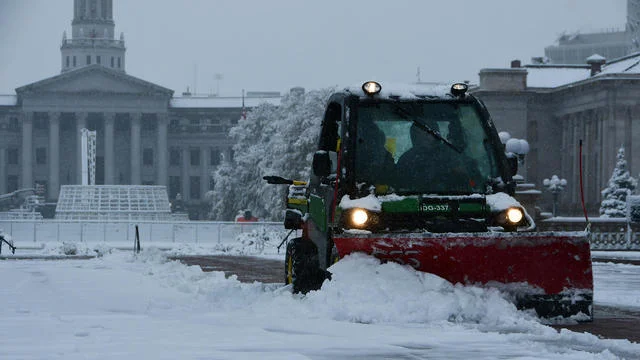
x=577 y=47
x=557 y=107
x=145 y=134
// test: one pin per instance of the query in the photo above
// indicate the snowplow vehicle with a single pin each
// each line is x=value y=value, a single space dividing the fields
x=419 y=176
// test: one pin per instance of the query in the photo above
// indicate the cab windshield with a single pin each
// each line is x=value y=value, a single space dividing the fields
x=423 y=148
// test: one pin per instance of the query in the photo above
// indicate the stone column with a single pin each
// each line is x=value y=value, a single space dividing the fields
x=27 y=150
x=109 y=149
x=3 y=170
x=81 y=123
x=185 y=174
x=136 y=154
x=204 y=178
x=162 y=165
x=54 y=155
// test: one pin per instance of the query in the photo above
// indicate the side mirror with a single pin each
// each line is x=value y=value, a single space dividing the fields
x=321 y=164
x=292 y=220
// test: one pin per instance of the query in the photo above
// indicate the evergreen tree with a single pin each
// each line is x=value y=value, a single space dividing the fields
x=270 y=141
x=621 y=184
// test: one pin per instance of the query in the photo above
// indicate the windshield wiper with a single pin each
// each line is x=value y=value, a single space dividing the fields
x=436 y=134
x=424 y=127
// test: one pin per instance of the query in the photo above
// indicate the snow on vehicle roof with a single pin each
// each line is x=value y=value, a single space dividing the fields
x=400 y=91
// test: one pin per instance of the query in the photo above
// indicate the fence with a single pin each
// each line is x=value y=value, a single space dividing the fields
x=196 y=232
x=605 y=234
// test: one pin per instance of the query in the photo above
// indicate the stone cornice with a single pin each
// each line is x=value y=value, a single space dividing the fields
x=42 y=85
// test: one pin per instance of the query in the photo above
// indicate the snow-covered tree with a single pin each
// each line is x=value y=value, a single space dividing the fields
x=270 y=141
x=621 y=184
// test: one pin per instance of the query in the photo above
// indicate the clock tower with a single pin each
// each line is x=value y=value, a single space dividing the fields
x=92 y=37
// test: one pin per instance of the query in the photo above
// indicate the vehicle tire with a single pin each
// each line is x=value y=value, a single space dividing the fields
x=302 y=267
x=333 y=254
x=288 y=263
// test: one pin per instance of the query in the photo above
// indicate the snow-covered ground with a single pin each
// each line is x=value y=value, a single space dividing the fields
x=125 y=306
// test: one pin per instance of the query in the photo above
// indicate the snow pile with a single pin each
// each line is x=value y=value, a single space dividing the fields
x=72 y=248
x=362 y=290
x=260 y=241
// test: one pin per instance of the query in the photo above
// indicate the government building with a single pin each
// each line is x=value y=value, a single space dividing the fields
x=555 y=106
x=145 y=134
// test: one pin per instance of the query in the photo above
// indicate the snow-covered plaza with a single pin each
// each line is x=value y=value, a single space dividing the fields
x=126 y=306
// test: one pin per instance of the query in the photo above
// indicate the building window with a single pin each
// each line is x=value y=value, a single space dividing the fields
x=112 y=61
x=148 y=123
x=14 y=124
x=95 y=124
x=147 y=157
x=74 y=61
x=68 y=60
x=214 y=158
x=194 y=187
x=212 y=182
x=175 y=186
x=98 y=60
x=40 y=121
x=88 y=59
x=12 y=183
x=174 y=156
x=12 y=156
x=195 y=157
x=119 y=64
x=174 y=125
x=41 y=156
x=41 y=187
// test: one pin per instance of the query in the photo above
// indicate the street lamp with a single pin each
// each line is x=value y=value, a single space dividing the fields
x=555 y=185
x=514 y=148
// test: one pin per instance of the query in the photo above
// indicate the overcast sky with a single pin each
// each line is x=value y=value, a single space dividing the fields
x=275 y=45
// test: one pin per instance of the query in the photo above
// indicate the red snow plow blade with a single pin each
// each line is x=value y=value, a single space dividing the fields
x=550 y=272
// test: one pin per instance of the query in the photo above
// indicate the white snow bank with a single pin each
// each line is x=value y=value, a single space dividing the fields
x=138 y=307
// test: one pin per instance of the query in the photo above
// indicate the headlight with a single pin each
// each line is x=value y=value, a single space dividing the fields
x=510 y=219
x=514 y=215
x=371 y=88
x=359 y=217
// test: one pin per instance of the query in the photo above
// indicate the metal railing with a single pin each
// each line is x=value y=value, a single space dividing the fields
x=93 y=41
x=604 y=234
x=194 y=232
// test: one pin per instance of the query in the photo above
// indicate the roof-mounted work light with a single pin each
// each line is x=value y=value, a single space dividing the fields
x=459 y=89
x=371 y=88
